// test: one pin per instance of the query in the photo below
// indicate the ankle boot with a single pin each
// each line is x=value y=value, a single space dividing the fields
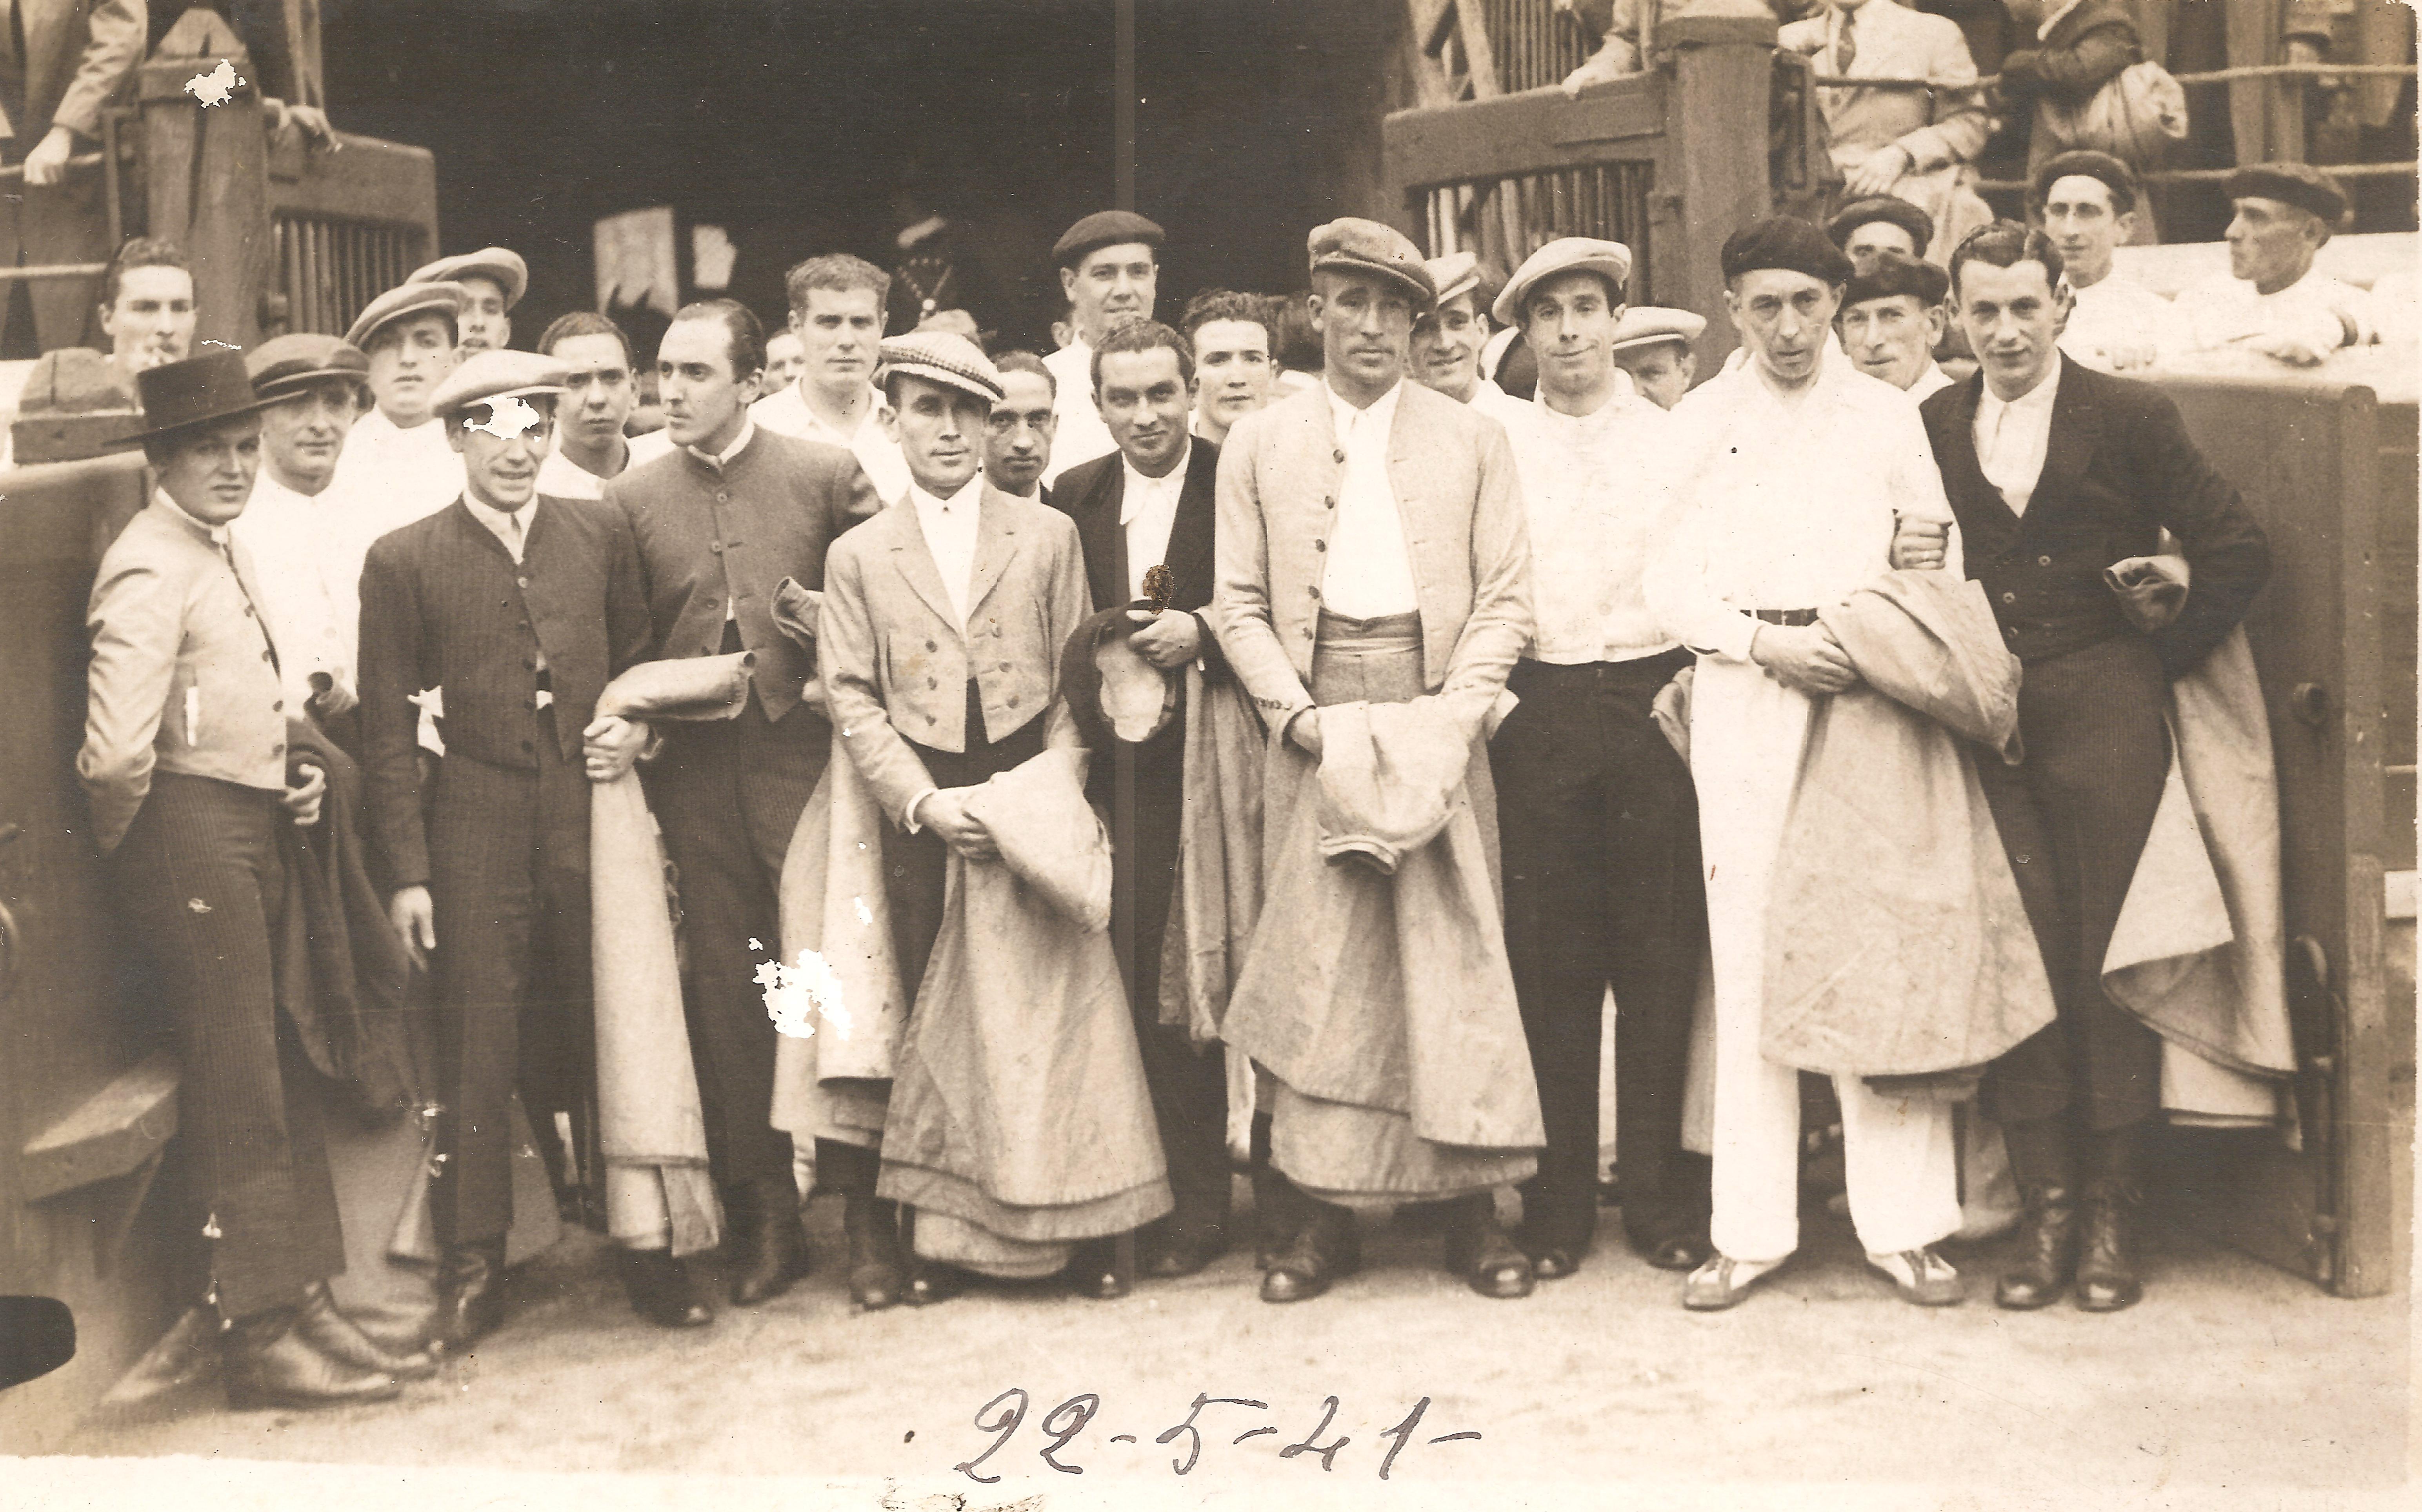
x=333 y=1335
x=1102 y=1268
x=928 y=1281
x=2047 y=1251
x=1280 y=1213
x=470 y=1294
x=877 y=1272
x=768 y=1246
x=1328 y=1246
x=666 y=1291
x=2108 y=1276
x=268 y=1361
x=1478 y=1250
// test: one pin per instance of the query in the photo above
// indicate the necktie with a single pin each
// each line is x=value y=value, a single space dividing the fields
x=1846 y=50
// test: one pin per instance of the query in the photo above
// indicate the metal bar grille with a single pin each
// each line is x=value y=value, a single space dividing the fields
x=1505 y=220
x=331 y=268
x=1535 y=45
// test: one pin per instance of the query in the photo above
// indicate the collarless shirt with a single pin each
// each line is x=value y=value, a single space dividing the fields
x=1591 y=486
x=563 y=477
x=1370 y=573
x=1147 y=512
x=1929 y=382
x=307 y=549
x=949 y=526
x=1080 y=434
x=787 y=412
x=2114 y=315
x=2012 y=435
x=397 y=476
x=2316 y=309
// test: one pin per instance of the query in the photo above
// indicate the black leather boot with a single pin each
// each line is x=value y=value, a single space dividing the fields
x=929 y=1280
x=268 y=1361
x=2108 y=1274
x=1326 y=1248
x=470 y=1295
x=1280 y=1213
x=1478 y=1250
x=876 y=1270
x=2046 y=1243
x=664 y=1290
x=1096 y=1268
x=335 y=1336
x=768 y=1247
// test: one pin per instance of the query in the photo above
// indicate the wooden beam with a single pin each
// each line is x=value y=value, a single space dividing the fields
x=1479 y=56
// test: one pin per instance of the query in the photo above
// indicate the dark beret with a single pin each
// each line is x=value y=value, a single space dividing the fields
x=1103 y=227
x=1784 y=242
x=1895 y=275
x=2115 y=175
x=2301 y=184
x=1892 y=207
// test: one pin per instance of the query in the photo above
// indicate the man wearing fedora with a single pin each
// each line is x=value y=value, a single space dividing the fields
x=1372 y=550
x=184 y=758
x=1110 y=268
x=2274 y=300
x=1447 y=340
x=1595 y=811
x=492 y=281
x=396 y=459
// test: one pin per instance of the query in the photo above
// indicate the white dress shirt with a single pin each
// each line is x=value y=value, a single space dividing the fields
x=1147 y=512
x=308 y=552
x=1080 y=434
x=1595 y=491
x=949 y=526
x=2115 y=316
x=1929 y=382
x=1502 y=407
x=1370 y=571
x=397 y=476
x=2012 y=435
x=560 y=476
x=786 y=412
x=2316 y=309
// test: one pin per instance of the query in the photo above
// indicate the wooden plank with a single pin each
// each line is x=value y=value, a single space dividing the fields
x=1724 y=71
x=109 y=1135
x=371 y=181
x=1535 y=132
x=1471 y=23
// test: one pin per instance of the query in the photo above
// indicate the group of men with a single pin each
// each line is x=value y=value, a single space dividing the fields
x=1463 y=710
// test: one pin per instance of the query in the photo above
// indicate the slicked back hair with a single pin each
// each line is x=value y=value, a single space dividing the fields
x=746 y=344
x=2006 y=244
x=1010 y=362
x=1144 y=336
x=141 y=252
x=586 y=322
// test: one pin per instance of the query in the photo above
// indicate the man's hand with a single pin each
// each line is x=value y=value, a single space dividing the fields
x=1805 y=658
x=2125 y=357
x=48 y=161
x=301 y=800
x=329 y=698
x=1305 y=732
x=1878 y=172
x=945 y=812
x=2290 y=349
x=1918 y=542
x=1166 y=640
x=610 y=745
x=414 y=919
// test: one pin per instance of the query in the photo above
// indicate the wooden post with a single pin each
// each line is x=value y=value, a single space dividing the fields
x=205 y=169
x=1715 y=158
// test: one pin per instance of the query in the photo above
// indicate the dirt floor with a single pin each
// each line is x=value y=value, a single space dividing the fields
x=2232 y=1382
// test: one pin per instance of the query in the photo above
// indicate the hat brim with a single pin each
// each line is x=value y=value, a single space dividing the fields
x=1425 y=296
x=1618 y=274
x=458 y=406
x=128 y=443
x=974 y=388
x=295 y=385
x=1652 y=338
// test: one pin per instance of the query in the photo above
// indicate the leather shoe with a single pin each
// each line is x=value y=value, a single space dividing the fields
x=333 y=1335
x=1552 y=1262
x=876 y=1273
x=1280 y=1213
x=2047 y=1252
x=1478 y=1250
x=269 y=1361
x=1325 y=1248
x=1182 y=1252
x=1669 y=1236
x=2107 y=1276
x=769 y=1247
x=470 y=1295
x=664 y=1290
x=1093 y=1271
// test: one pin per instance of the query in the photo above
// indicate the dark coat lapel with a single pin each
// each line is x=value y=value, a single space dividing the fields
x=2076 y=427
x=1191 y=534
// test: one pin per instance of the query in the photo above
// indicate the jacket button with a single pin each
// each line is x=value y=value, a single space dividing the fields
x=520 y=582
x=1313 y=590
x=723 y=497
x=1339 y=454
x=1320 y=545
x=930 y=646
x=995 y=632
x=929 y=719
x=526 y=745
x=1004 y=667
x=264 y=655
x=278 y=707
x=2009 y=598
x=247 y=611
x=933 y=682
x=1329 y=503
x=715 y=547
x=2043 y=561
x=1013 y=700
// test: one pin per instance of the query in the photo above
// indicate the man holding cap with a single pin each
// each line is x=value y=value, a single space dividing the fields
x=2087 y=203
x=1109 y=264
x=492 y=281
x=1447 y=340
x=1595 y=811
x=1791 y=473
x=2274 y=300
x=397 y=460
x=1373 y=555
x=1656 y=346
x=1891 y=319
x=521 y=608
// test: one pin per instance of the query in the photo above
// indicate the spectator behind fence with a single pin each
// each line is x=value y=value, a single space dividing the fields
x=2272 y=299
x=2087 y=203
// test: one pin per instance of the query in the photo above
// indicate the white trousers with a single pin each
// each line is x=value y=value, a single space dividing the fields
x=1747 y=732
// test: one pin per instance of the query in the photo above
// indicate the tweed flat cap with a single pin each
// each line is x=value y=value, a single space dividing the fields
x=2300 y=185
x=503 y=268
x=1456 y=274
x=944 y=357
x=289 y=365
x=1647 y=324
x=1892 y=274
x=1784 y=242
x=2114 y=174
x=488 y=376
x=1890 y=208
x=402 y=300
x=1104 y=228
x=1611 y=260
x=1352 y=244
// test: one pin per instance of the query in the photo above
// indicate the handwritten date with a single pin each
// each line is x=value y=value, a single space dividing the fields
x=1006 y=1413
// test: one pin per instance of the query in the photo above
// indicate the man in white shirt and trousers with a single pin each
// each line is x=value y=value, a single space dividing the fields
x=1110 y=269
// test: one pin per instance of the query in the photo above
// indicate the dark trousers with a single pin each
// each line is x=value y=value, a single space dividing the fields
x=728 y=793
x=916 y=877
x=509 y=878
x=2074 y=817
x=202 y=882
x=1599 y=826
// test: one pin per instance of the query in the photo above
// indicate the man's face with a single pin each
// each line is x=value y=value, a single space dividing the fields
x=784 y=357
x=1661 y=371
x=703 y=396
x=599 y=394
x=484 y=326
x=1872 y=240
x=2012 y=317
x=1783 y=315
x=940 y=431
x=1446 y=348
x=1232 y=370
x=2272 y=243
x=408 y=359
x=1365 y=324
x=306 y=435
x=1110 y=285
x=838 y=330
x=208 y=469
x=2077 y=217
x=1568 y=322
x=1145 y=403
x=1017 y=439
x=1892 y=338
x=502 y=470
x=152 y=321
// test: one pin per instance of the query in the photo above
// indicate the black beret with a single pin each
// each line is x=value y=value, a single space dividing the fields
x=2115 y=175
x=2296 y=184
x=1892 y=207
x=1784 y=242
x=1103 y=227
x=1895 y=275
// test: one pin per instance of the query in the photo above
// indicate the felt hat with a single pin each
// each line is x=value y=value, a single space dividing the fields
x=503 y=268
x=944 y=357
x=1104 y=228
x=1112 y=692
x=2300 y=185
x=179 y=396
x=1647 y=324
x=2114 y=174
x=487 y=376
x=1889 y=208
x=1611 y=260
x=1456 y=274
x=406 y=299
x=1352 y=244
x=1895 y=275
x=1784 y=242
x=290 y=364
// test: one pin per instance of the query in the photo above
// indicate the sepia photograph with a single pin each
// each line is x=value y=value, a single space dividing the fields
x=1030 y=755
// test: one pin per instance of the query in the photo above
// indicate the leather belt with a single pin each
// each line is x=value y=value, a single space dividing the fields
x=1785 y=617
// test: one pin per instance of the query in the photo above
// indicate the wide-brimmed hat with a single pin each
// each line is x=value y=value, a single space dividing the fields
x=198 y=391
x=1112 y=692
x=1611 y=260
x=1352 y=244
x=290 y=364
x=498 y=266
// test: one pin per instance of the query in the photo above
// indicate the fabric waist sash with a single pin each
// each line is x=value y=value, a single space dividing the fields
x=1388 y=632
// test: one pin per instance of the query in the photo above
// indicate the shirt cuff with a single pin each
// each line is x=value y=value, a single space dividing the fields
x=909 y=814
x=1288 y=723
x=1736 y=634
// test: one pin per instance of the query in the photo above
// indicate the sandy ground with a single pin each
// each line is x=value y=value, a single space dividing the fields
x=2231 y=1382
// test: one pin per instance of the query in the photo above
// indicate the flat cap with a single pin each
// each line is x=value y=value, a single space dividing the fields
x=503 y=268
x=946 y=357
x=289 y=365
x=1889 y=208
x=1784 y=242
x=2300 y=185
x=1104 y=228
x=485 y=377
x=1454 y=275
x=402 y=300
x=1892 y=274
x=1611 y=260
x=2114 y=174
x=1647 y=324
x=1352 y=244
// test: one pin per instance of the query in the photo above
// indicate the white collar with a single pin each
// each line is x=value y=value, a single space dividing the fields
x=970 y=494
x=497 y=519
x=720 y=460
x=876 y=405
x=1172 y=479
x=2038 y=398
x=1623 y=393
x=1347 y=416
x=216 y=533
